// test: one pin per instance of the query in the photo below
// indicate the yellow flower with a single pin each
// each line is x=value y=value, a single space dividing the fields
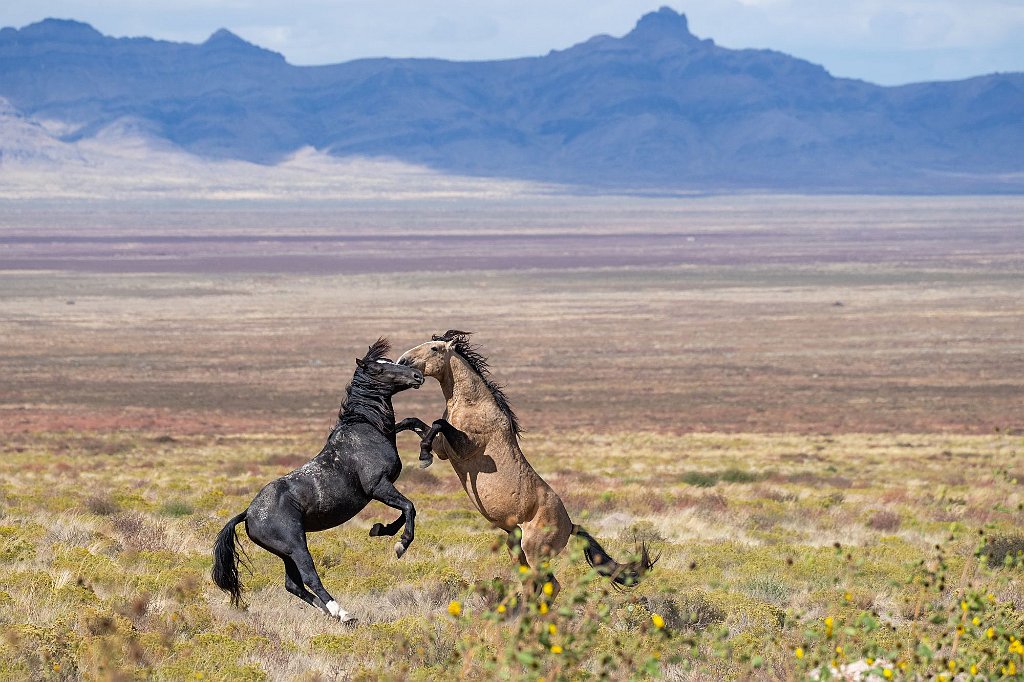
x=1016 y=647
x=963 y=605
x=555 y=649
x=848 y=597
x=976 y=620
x=870 y=660
x=952 y=666
x=974 y=668
x=658 y=621
x=56 y=667
x=501 y=608
x=549 y=589
x=887 y=674
x=839 y=650
x=799 y=652
x=543 y=608
x=1010 y=669
x=552 y=628
x=524 y=569
x=454 y=608
x=990 y=633
x=828 y=626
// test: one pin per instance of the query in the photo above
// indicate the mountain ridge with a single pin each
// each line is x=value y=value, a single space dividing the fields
x=656 y=108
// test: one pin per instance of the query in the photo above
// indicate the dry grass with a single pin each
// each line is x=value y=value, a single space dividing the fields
x=129 y=590
x=711 y=398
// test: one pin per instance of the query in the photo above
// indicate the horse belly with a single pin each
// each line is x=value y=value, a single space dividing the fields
x=334 y=508
x=499 y=503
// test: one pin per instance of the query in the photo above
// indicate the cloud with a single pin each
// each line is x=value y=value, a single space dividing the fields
x=887 y=41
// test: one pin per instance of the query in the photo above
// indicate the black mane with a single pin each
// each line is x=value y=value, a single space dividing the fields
x=471 y=354
x=368 y=400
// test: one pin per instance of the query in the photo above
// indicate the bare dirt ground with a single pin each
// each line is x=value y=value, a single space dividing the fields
x=725 y=314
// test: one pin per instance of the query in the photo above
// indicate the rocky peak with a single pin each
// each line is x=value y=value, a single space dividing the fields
x=61 y=30
x=665 y=25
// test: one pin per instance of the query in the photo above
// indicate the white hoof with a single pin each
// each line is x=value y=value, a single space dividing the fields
x=400 y=549
x=334 y=609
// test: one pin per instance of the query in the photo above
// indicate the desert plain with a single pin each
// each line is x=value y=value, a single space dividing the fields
x=811 y=407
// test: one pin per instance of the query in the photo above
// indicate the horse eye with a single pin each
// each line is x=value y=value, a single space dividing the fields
x=437 y=349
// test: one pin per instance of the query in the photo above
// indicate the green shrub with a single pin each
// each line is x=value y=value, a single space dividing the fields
x=176 y=508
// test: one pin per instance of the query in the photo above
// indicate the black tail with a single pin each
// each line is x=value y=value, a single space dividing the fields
x=226 y=561
x=623 y=575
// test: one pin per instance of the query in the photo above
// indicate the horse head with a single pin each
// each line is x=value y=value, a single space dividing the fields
x=379 y=369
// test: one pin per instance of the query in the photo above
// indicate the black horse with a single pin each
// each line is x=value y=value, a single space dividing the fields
x=359 y=463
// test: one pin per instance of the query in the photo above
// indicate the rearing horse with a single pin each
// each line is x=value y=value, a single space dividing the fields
x=359 y=463
x=479 y=435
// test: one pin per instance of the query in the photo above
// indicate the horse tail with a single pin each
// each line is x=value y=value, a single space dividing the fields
x=622 y=575
x=226 y=560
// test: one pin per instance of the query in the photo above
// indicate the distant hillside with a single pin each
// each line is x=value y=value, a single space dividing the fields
x=658 y=108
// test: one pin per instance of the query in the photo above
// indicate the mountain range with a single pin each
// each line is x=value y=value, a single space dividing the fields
x=658 y=108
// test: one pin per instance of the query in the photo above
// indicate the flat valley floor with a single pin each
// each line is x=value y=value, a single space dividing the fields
x=745 y=380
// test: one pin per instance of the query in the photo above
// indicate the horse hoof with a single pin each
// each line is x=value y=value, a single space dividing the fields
x=400 y=549
x=349 y=620
x=334 y=610
x=377 y=530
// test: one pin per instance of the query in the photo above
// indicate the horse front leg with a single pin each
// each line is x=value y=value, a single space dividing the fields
x=390 y=529
x=412 y=424
x=459 y=441
x=387 y=493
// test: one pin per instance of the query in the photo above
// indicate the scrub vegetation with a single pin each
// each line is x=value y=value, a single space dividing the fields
x=809 y=406
x=831 y=551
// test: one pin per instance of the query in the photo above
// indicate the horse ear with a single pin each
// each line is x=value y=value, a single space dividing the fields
x=452 y=335
x=360 y=364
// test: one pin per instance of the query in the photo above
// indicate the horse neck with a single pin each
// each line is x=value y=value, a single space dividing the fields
x=367 y=402
x=461 y=382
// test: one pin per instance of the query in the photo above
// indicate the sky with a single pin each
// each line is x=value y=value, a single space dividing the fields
x=883 y=41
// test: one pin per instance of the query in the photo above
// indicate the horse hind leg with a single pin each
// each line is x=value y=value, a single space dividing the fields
x=539 y=546
x=307 y=571
x=286 y=537
x=514 y=545
x=293 y=583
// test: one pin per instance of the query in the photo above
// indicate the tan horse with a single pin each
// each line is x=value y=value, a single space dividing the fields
x=479 y=435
